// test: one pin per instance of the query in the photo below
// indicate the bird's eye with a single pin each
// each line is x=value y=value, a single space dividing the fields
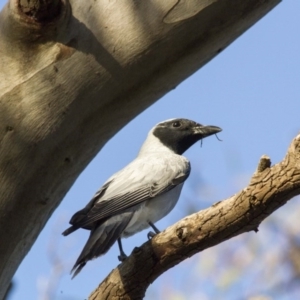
x=176 y=124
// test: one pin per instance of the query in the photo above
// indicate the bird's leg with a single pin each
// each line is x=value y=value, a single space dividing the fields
x=151 y=234
x=154 y=227
x=122 y=255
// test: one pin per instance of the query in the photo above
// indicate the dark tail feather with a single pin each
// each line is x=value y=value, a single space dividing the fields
x=102 y=237
x=77 y=269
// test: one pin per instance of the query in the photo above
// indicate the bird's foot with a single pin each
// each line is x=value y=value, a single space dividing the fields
x=122 y=257
x=151 y=234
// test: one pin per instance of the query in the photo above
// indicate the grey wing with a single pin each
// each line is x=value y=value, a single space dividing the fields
x=123 y=201
x=80 y=216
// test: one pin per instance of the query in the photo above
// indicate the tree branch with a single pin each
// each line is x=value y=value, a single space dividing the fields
x=269 y=189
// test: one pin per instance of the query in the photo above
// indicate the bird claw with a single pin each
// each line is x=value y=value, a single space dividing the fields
x=150 y=235
x=122 y=257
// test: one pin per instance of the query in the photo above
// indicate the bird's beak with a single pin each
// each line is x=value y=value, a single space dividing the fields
x=205 y=131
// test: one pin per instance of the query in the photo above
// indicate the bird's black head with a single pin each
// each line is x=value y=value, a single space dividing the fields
x=180 y=134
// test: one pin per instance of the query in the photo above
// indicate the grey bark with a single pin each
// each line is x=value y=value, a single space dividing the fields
x=73 y=73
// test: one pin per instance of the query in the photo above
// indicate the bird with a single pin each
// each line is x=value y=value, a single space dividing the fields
x=141 y=193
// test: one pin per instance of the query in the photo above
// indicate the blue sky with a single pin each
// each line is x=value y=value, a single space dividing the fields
x=251 y=90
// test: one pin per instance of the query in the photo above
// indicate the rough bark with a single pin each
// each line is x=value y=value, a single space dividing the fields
x=73 y=73
x=269 y=189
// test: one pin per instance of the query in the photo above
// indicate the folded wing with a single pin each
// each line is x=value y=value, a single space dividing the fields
x=127 y=188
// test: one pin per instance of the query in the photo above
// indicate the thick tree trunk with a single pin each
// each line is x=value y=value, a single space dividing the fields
x=73 y=73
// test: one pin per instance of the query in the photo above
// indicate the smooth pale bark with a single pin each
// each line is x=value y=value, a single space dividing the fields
x=73 y=73
x=269 y=189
